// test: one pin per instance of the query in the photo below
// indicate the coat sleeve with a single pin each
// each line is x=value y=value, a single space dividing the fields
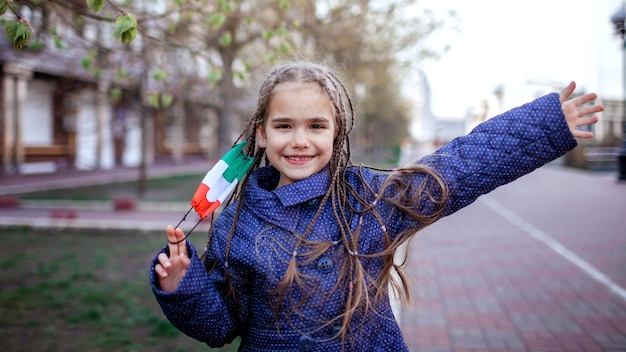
x=497 y=152
x=503 y=149
x=197 y=307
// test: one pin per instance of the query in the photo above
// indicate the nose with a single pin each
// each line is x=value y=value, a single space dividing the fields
x=300 y=138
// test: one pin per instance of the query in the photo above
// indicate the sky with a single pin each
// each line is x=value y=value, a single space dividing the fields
x=544 y=41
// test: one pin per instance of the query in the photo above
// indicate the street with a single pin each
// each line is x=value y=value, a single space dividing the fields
x=536 y=265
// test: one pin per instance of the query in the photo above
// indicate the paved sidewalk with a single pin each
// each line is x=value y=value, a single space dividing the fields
x=485 y=279
x=13 y=184
x=538 y=265
x=143 y=215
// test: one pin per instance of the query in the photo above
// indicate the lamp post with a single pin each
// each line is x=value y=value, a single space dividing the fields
x=618 y=19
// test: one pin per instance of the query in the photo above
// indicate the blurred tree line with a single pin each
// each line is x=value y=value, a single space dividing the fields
x=169 y=51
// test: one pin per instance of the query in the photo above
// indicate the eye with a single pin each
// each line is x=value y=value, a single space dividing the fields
x=317 y=126
x=281 y=126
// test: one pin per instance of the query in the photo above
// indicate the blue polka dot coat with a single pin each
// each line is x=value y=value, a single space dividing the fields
x=494 y=153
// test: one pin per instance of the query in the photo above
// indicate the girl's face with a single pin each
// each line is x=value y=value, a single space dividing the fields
x=299 y=131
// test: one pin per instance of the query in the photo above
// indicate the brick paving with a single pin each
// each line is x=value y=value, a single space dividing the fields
x=482 y=282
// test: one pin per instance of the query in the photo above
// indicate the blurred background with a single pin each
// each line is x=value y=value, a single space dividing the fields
x=76 y=96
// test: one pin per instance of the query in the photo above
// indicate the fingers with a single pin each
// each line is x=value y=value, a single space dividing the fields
x=584 y=121
x=583 y=114
x=181 y=242
x=582 y=134
x=585 y=98
x=579 y=111
x=590 y=110
x=176 y=240
x=178 y=252
x=565 y=94
x=160 y=271
x=171 y=239
x=171 y=269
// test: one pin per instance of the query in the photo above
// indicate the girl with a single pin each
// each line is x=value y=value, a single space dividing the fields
x=302 y=257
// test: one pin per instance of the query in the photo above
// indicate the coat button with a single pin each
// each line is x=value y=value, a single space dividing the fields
x=306 y=342
x=312 y=203
x=336 y=330
x=325 y=264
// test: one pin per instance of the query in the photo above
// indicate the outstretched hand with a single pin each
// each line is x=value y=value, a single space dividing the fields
x=172 y=269
x=576 y=114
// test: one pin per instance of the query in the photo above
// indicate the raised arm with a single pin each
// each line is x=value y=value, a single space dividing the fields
x=512 y=144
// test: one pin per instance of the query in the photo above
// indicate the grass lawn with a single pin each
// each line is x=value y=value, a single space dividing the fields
x=83 y=291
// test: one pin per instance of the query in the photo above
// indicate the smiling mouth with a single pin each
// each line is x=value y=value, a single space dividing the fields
x=299 y=158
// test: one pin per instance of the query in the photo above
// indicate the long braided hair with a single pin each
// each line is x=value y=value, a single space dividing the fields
x=361 y=290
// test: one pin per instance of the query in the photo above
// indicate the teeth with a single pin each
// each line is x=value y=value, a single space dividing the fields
x=298 y=158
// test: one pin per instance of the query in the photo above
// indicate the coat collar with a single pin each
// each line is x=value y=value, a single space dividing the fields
x=261 y=188
x=276 y=205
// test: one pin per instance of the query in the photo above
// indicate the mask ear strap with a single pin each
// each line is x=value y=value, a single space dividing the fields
x=218 y=184
x=190 y=231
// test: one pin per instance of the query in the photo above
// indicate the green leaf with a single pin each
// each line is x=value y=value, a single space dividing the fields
x=14 y=30
x=121 y=73
x=10 y=28
x=86 y=63
x=153 y=99
x=18 y=34
x=284 y=48
x=283 y=4
x=95 y=5
x=282 y=31
x=268 y=34
x=3 y=7
x=239 y=75
x=225 y=6
x=226 y=39
x=125 y=28
x=79 y=21
x=216 y=20
x=271 y=58
x=221 y=3
x=166 y=100
x=115 y=94
x=21 y=41
x=159 y=75
x=126 y=22
x=20 y=30
x=35 y=45
x=215 y=76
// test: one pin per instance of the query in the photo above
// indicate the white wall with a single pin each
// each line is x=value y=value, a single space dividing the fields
x=37 y=128
x=87 y=132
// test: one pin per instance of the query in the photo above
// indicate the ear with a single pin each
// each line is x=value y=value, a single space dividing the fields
x=260 y=133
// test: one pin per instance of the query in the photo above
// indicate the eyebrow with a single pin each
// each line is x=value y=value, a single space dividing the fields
x=309 y=119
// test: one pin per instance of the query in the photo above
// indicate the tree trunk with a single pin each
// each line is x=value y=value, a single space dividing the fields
x=228 y=123
x=143 y=178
